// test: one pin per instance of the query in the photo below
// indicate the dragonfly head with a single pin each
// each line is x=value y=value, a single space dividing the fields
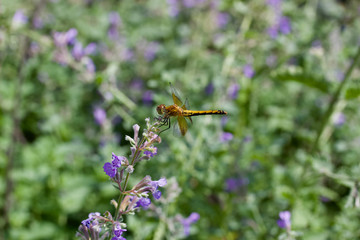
x=161 y=109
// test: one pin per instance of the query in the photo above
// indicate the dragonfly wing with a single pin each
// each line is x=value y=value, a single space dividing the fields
x=186 y=106
x=176 y=96
x=182 y=125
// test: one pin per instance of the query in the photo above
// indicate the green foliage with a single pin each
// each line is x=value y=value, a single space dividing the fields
x=52 y=150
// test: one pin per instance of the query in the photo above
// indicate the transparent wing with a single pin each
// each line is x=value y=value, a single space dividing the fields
x=176 y=96
x=182 y=125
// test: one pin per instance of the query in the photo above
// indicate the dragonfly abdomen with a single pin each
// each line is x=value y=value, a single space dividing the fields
x=190 y=113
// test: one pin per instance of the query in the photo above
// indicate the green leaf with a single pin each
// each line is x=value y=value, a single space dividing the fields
x=306 y=79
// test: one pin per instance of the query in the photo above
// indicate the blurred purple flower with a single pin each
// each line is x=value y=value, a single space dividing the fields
x=61 y=39
x=115 y=23
x=150 y=153
x=226 y=136
x=37 y=22
x=186 y=222
x=316 y=44
x=324 y=199
x=233 y=90
x=150 y=50
x=79 y=52
x=276 y=4
x=209 y=89
x=19 y=18
x=339 y=119
x=273 y=31
x=189 y=3
x=148 y=97
x=127 y=55
x=90 y=49
x=137 y=84
x=284 y=220
x=248 y=71
x=99 y=115
x=222 y=19
x=173 y=7
x=90 y=66
x=71 y=36
x=247 y=138
x=233 y=184
x=284 y=25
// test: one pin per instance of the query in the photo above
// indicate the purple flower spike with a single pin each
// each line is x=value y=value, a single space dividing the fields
x=71 y=36
x=226 y=136
x=173 y=7
x=248 y=71
x=157 y=195
x=19 y=18
x=284 y=220
x=222 y=19
x=143 y=202
x=78 y=51
x=99 y=115
x=233 y=90
x=148 y=97
x=284 y=25
x=109 y=170
x=194 y=217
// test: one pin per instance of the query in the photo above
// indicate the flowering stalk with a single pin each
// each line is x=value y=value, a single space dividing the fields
x=129 y=200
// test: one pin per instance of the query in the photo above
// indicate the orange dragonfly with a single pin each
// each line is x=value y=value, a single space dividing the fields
x=180 y=111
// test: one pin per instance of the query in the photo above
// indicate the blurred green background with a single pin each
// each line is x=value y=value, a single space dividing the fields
x=76 y=75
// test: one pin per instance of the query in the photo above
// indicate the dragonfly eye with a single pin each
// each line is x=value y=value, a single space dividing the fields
x=161 y=109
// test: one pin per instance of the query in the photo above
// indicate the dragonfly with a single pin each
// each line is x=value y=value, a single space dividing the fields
x=179 y=110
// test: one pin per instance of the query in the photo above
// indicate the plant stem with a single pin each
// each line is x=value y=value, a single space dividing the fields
x=335 y=100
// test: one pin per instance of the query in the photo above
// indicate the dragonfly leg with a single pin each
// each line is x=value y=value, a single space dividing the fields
x=165 y=121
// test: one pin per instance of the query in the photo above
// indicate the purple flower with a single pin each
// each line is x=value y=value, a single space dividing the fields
x=186 y=222
x=248 y=71
x=71 y=35
x=19 y=18
x=209 y=89
x=90 y=66
x=276 y=4
x=151 y=153
x=118 y=231
x=99 y=115
x=233 y=90
x=148 y=97
x=173 y=7
x=226 y=136
x=151 y=50
x=111 y=168
x=37 y=22
x=143 y=202
x=284 y=220
x=90 y=49
x=339 y=119
x=222 y=19
x=77 y=51
x=62 y=39
x=284 y=25
x=115 y=22
x=91 y=218
x=273 y=31
x=233 y=184
x=157 y=195
x=189 y=3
